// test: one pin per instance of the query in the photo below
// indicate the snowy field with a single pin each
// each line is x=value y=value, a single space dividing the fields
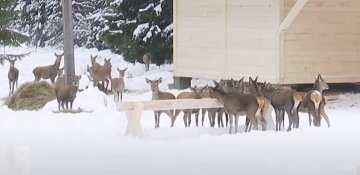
x=46 y=143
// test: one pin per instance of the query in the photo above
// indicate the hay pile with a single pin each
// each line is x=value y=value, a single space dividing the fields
x=31 y=96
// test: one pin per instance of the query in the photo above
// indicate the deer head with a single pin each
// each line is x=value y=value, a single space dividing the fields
x=12 y=62
x=93 y=59
x=60 y=72
x=320 y=84
x=154 y=84
x=198 y=91
x=121 y=72
x=75 y=80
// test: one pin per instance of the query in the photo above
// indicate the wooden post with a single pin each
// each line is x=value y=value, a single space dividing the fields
x=69 y=62
x=134 y=116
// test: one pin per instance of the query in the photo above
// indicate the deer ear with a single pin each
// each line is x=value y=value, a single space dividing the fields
x=216 y=83
x=125 y=69
x=242 y=79
x=256 y=79
x=160 y=80
x=320 y=77
x=56 y=54
x=147 y=80
x=118 y=69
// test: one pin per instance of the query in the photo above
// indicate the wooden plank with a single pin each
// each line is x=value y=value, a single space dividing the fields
x=172 y=104
x=290 y=17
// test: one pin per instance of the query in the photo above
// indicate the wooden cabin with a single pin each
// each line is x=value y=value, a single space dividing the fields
x=281 y=41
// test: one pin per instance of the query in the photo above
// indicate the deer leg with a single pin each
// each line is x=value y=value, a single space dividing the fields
x=323 y=114
x=226 y=119
x=9 y=87
x=62 y=105
x=155 y=115
x=203 y=111
x=185 y=119
x=278 y=120
x=247 y=122
x=291 y=118
x=282 y=118
x=188 y=117
x=197 y=118
x=59 y=102
x=309 y=118
x=236 y=123
x=107 y=84
x=120 y=96
x=230 y=122
x=220 y=118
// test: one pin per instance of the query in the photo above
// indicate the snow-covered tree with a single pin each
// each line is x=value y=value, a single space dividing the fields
x=141 y=26
x=9 y=37
x=42 y=19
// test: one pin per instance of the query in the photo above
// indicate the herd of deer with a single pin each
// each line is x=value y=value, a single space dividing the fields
x=66 y=93
x=251 y=99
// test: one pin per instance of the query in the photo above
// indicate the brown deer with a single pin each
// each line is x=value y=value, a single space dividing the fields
x=118 y=85
x=48 y=72
x=13 y=76
x=239 y=104
x=314 y=102
x=212 y=112
x=66 y=94
x=240 y=87
x=60 y=76
x=160 y=95
x=282 y=99
x=147 y=60
x=101 y=73
x=194 y=94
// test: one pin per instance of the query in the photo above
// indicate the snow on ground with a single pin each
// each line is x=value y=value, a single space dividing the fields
x=42 y=142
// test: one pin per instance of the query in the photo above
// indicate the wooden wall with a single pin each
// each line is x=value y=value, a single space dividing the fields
x=226 y=38
x=324 y=38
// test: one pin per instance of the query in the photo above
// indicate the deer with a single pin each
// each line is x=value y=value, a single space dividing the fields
x=118 y=85
x=66 y=93
x=282 y=99
x=13 y=76
x=314 y=102
x=212 y=112
x=60 y=76
x=194 y=94
x=48 y=72
x=147 y=60
x=160 y=95
x=240 y=87
x=239 y=104
x=101 y=73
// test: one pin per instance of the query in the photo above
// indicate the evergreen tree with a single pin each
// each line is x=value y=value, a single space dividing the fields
x=141 y=26
x=42 y=19
x=9 y=37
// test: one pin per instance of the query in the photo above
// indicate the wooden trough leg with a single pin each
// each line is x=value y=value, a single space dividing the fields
x=133 y=116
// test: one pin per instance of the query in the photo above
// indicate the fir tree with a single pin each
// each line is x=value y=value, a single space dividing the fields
x=9 y=37
x=141 y=26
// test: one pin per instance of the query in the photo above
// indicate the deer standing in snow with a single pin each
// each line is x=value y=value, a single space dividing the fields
x=240 y=104
x=194 y=94
x=314 y=102
x=48 y=72
x=13 y=76
x=101 y=73
x=118 y=85
x=160 y=95
x=66 y=93
x=147 y=60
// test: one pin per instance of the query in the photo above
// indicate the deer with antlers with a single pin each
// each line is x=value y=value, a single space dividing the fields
x=48 y=72
x=13 y=76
